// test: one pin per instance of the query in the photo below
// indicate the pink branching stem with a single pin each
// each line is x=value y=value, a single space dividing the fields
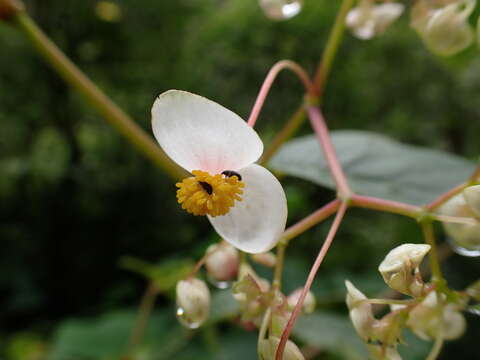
x=446 y=196
x=320 y=127
x=267 y=84
x=395 y=207
x=311 y=276
x=311 y=220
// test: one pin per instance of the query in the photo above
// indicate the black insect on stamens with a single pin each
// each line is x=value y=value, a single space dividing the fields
x=207 y=187
x=230 y=173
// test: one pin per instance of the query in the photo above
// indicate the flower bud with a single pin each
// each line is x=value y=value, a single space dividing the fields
x=308 y=304
x=360 y=311
x=463 y=235
x=400 y=271
x=432 y=319
x=471 y=195
x=193 y=302
x=368 y=20
x=9 y=8
x=281 y=9
x=268 y=349
x=222 y=262
x=444 y=30
x=267 y=259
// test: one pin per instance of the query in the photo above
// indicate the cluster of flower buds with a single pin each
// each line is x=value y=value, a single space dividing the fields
x=441 y=24
x=429 y=315
x=464 y=237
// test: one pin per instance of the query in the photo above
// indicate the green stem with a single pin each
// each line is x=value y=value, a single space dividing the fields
x=320 y=81
x=332 y=46
x=144 y=311
x=277 y=276
x=95 y=97
x=429 y=235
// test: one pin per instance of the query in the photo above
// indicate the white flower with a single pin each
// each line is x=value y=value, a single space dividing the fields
x=400 y=271
x=444 y=30
x=368 y=20
x=464 y=235
x=244 y=202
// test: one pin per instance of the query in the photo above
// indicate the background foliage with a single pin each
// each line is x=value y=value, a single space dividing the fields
x=75 y=197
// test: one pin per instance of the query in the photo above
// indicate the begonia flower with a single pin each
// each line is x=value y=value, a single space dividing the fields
x=244 y=201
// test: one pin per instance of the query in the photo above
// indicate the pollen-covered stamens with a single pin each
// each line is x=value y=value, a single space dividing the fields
x=204 y=194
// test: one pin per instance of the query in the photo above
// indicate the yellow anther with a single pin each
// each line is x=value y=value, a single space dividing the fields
x=204 y=194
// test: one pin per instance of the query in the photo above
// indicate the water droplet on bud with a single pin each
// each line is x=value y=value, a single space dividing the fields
x=219 y=284
x=464 y=251
x=185 y=320
x=281 y=9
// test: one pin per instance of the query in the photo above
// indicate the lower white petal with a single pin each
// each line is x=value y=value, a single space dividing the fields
x=255 y=224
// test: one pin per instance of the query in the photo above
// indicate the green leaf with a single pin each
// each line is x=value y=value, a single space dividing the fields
x=331 y=332
x=223 y=306
x=376 y=165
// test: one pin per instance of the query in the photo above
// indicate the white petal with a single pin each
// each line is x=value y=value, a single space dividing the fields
x=200 y=134
x=256 y=223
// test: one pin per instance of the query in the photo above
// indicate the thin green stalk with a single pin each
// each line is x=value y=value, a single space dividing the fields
x=332 y=46
x=429 y=235
x=94 y=96
x=277 y=276
x=144 y=311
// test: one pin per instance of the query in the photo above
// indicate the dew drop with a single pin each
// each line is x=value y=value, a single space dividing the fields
x=464 y=251
x=281 y=9
x=185 y=320
x=219 y=284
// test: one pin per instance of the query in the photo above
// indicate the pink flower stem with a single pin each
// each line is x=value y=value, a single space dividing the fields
x=270 y=78
x=316 y=265
x=395 y=207
x=311 y=220
x=320 y=127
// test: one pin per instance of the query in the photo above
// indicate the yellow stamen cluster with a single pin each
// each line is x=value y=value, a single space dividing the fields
x=204 y=194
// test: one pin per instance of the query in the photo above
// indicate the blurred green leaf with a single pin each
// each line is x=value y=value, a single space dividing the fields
x=223 y=306
x=165 y=275
x=332 y=332
x=376 y=165
x=50 y=156
x=26 y=346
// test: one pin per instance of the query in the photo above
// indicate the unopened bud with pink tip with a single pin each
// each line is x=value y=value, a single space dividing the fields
x=400 y=270
x=193 y=302
x=308 y=304
x=268 y=348
x=222 y=262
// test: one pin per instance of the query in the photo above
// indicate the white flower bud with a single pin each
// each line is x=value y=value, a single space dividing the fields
x=268 y=348
x=360 y=311
x=399 y=269
x=308 y=304
x=368 y=20
x=463 y=235
x=267 y=259
x=281 y=9
x=471 y=195
x=193 y=302
x=444 y=30
x=222 y=262
x=432 y=319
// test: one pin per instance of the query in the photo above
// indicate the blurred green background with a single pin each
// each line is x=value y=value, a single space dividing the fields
x=75 y=197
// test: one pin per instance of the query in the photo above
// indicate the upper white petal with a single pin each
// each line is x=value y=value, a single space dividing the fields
x=200 y=134
x=255 y=224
